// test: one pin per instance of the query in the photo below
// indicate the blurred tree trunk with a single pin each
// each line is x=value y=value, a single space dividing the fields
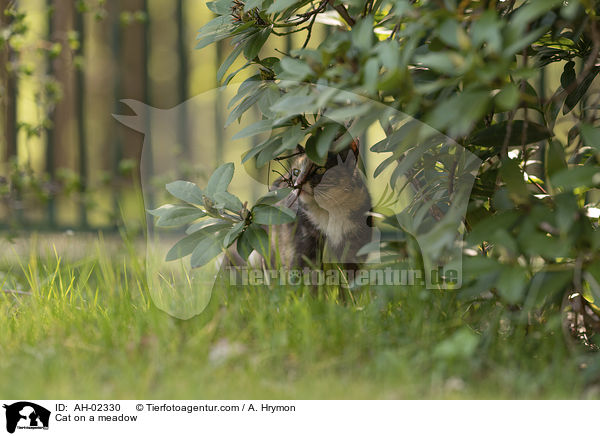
x=63 y=132
x=131 y=68
x=8 y=94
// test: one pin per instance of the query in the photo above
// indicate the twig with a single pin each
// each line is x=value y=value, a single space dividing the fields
x=525 y=119
x=537 y=185
x=341 y=9
x=304 y=17
x=289 y=156
x=504 y=150
x=451 y=175
x=509 y=127
x=300 y=29
x=309 y=27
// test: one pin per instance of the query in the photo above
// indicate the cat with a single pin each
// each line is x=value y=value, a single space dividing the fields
x=333 y=221
x=332 y=203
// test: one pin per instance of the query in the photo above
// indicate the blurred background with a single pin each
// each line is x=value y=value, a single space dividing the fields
x=65 y=162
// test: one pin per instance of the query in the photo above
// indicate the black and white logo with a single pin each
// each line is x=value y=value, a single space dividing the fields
x=26 y=415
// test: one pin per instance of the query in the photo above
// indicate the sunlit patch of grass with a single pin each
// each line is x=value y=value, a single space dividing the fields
x=88 y=328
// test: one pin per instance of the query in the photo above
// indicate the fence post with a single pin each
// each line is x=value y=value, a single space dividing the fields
x=50 y=162
x=9 y=121
x=81 y=133
x=147 y=155
x=183 y=76
x=10 y=99
x=115 y=44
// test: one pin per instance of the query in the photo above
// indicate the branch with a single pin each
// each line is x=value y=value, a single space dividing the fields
x=309 y=34
x=341 y=9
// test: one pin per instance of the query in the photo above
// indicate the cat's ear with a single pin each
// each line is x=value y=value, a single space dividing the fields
x=350 y=161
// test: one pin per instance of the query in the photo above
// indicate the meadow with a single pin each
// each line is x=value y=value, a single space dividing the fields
x=77 y=321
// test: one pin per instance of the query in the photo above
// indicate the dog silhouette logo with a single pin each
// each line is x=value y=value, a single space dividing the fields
x=26 y=415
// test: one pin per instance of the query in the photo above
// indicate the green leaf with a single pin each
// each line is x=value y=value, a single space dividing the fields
x=371 y=75
x=576 y=95
x=442 y=62
x=362 y=34
x=530 y=11
x=269 y=144
x=281 y=5
x=233 y=233
x=244 y=248
x=326 y=138
x=246 y=104
x=220 y=179
x=568 y=76
x=255 y=43
x=162 y=210
x=295 y=68
x=274 y=196
x=494 y=135
x=524 y=41
x=513 y=177
x=555 y=159
x=186 y=191
x=184 y=246
x=508 y=97
x=590 y=135
x=512 y=284
x=247 y=87
x=269 y=215
x=258 y=239
x=289 y=105
x=214 y=224
x=229 y=61
x=554 y=283
x=214 y=30
x=228 y=201
x=180 y=216
x=292 y=137
x=452 y=34
x=209 y=247
x=220 y=7
x=407 y=133
x=175 y=215
x=486 y=29
x=579 y=176
x=268 y=153
x=312 y=152
x=254 y=129
x=251 y=4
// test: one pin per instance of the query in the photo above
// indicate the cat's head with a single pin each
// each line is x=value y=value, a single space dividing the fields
x=336 y=184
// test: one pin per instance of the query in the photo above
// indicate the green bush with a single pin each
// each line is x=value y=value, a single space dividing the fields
x=477 y=71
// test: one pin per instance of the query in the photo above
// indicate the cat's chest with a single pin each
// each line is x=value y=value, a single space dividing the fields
x=335 y=227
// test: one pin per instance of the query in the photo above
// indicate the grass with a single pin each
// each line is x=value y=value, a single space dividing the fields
x=88 y=329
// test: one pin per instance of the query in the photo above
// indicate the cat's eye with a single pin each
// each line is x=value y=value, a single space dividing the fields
x=295 y=172
x=320 y=171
